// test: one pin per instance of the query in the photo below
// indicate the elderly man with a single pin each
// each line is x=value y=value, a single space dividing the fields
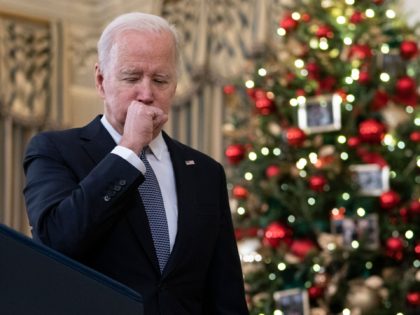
x=122 y=197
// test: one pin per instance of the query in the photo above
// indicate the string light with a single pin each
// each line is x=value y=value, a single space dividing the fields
x=291 y=219
x=248 y=176
x=311 y=201
x=345 y=196
x=385 y=48
x=369 y=265
x=293 y=102
x=347 y=41
x=341 y=20
x=252 y=156
x=384 y=77
x=301 y=163
x=355 y=244
x=281 y=31
x=409 y=234
x=370 y=13
x=348 y=80
x=281 y=266
x=313 y=157
x=316 y=268
x=241 y=211
x=278 y=312
x=262 y=72
x=341 y=139
x=313 y=43
x=299 y=63
x=350 y=98
x=355 y=74
x=249 y=84
x=350 y=2
x=276 y=151
x=265 y=151
x=390 y=14
x=296 y=16
x=344 y=156
x=361 y=212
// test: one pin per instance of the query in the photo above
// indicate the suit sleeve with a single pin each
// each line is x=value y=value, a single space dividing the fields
x=68 y=213
x=226 y=289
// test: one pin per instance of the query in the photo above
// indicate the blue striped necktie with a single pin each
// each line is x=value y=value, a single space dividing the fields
x=155 y=210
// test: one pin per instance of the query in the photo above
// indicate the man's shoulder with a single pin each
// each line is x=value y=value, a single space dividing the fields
x=68 y=134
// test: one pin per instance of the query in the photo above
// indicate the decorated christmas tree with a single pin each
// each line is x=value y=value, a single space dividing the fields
x=323 y=162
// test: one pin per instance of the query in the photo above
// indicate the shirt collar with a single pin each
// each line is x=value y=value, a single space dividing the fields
x=157 y=146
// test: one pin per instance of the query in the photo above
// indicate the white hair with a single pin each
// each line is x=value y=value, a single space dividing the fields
x=134 y=21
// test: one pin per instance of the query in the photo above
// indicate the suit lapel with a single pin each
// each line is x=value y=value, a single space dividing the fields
x=98 y=143
x=184 y=181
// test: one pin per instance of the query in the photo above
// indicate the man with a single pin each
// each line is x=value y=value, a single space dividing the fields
x=86 y=189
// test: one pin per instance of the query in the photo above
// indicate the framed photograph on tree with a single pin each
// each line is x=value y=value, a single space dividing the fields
x=292 y=302
x=320 y=113
x=372 y=179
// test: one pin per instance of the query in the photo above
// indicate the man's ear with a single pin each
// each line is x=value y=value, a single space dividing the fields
x=99 y=79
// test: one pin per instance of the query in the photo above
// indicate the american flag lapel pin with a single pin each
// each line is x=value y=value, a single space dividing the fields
x=189 y=162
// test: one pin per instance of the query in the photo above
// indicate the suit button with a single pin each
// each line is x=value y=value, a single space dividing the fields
x=112 y=193
x=122 y=182
x=107 y=198
x=117 y=187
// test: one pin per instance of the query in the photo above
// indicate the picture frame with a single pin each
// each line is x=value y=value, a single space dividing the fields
x=372 y=179
x=320 y=114
x=391 y=63
x=365 y=230
x=292 y=301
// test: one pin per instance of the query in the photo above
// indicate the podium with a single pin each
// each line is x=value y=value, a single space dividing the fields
x=37 y=280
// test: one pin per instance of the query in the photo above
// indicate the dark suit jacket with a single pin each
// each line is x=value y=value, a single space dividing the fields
x=83 y=201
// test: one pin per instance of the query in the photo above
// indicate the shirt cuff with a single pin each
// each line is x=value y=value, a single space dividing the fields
x=130 y=157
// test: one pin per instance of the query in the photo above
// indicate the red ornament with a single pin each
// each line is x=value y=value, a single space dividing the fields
x=408 y=49
x=240 y=192
x=413 y=298
x=371 y=131
x=313 y=70
x=324 y=31
x=315 y=292
x=272 y=171
x=295 y=136
x=414 y=207
x=415 y=136
x=394 y=248
x=229 y=89
x=405 y=85
x=327 y=84
x=417 y=249
x=380 y=100
x=389 y=199
x=394 y=244
x=288 y=23
x=305 y=17
x=357 y=17
x=235 y=153
x=276 y=234
x=263 y=103
x=353 y=142
x=360 y=51
x=378 y=2
x=372 y=158
x=301 y=248
x=317 y=183
x=364 y=77
x=405 y=91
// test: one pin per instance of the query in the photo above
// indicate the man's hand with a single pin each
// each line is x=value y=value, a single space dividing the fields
x=142 y=124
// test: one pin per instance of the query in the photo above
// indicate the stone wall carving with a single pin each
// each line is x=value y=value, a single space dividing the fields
x=25 y=69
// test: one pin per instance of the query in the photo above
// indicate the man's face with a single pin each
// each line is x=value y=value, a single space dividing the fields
x=141 y=67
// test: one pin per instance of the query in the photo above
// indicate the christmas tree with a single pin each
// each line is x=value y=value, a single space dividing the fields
x=323 y=163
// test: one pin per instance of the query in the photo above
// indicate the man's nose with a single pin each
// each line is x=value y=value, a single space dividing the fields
x=145 y=92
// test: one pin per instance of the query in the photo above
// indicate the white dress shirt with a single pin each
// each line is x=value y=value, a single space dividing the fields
x=160 y=161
